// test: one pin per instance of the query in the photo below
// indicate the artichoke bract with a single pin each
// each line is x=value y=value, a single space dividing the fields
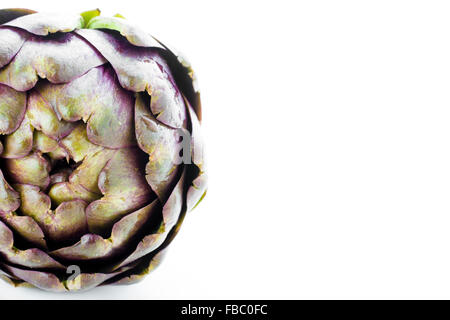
x=100 y=150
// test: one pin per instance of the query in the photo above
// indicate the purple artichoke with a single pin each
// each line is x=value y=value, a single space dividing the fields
x=100 y=151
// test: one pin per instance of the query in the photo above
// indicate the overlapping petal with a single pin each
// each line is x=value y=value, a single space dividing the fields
x=44 y=23
x=98 y=99
x=7 y=15
x=161 y=143
x=31 y=258
x=13 y=105
x=49 y=282
x=66 y=223
x=50 y=59
x=197 y=190
x=9 y=198
x=171 y=213
x=124 y=189
x=133 y=34
x=20 y=142
x=26 y=227
x=142 y=271
x=12 y=41
x=141 y=69
x=32 y=169
x=92 y=246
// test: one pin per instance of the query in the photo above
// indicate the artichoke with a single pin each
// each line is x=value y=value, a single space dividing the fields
x=100 y=151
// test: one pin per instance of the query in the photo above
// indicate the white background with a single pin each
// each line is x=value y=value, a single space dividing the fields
x=327 y=126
